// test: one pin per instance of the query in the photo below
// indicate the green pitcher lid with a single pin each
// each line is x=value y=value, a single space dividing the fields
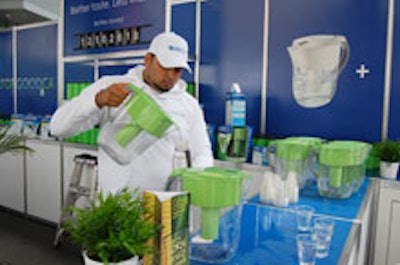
x=212 y=189
x=144 y=111
x=307 y=139
x=295 y=148
x=344 y=153
x=210 y=173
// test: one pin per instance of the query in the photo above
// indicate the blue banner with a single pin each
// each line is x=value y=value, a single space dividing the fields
x=37 y=70
x=99 y=26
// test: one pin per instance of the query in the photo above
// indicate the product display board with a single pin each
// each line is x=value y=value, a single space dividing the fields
x=355 y=110
x=37 y=70
x=92 y=27
x=394 y=112
x=6 y=82
x=232 y=50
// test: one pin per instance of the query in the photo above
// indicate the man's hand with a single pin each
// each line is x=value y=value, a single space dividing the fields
x=113 y=95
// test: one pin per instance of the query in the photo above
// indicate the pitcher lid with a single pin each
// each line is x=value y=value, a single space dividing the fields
x=344 y=153
x=295 y=148
x=210 y=173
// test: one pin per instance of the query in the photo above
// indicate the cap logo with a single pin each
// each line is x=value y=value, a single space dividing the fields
x=176 y=49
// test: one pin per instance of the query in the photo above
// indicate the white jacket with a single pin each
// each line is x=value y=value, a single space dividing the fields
x=152 y=168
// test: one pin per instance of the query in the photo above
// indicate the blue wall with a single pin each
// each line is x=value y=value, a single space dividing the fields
x=232 y=50
x=394 y=121
x=356 y=110
x=6 y=85
x=183 y=23
x=37 y=70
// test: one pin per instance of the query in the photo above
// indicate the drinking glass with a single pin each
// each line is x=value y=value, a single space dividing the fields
x=306 y=248
x=304 y=215
x=322 y=231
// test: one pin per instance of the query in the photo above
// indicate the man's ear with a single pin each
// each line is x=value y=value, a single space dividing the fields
x=147 y=59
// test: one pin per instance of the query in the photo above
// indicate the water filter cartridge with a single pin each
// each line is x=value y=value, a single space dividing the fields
x=235 y=109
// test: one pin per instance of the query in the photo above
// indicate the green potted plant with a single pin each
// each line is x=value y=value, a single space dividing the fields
x=12 y=142
x=112 y=230
x=388 y=154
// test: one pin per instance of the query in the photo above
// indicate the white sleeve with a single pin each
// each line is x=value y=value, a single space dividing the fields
x=199 y=140
x=77 y=115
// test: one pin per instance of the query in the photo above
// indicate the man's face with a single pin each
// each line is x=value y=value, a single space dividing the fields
x=158 y=77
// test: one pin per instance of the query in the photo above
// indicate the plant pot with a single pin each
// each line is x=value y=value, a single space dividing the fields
x=132 y=261
x=388 y=169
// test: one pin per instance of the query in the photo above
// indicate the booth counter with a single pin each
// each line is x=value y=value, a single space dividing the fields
x=267 y=232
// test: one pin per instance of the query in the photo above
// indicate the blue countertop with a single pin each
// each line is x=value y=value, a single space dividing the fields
x=268 y=232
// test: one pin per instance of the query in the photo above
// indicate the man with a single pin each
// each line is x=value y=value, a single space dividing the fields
x=160 y=78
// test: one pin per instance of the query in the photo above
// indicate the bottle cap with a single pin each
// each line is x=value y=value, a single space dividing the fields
x=236 y=88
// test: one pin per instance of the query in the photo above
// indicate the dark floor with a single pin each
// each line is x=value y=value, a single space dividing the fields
x=28 y=241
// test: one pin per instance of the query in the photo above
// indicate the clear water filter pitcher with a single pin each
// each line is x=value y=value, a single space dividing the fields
x=289 y=156
x=288 y=160
x=340 y=167
x=216 y=196
x=139 y=123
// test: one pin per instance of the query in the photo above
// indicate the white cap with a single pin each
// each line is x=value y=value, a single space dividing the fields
x=171 y=50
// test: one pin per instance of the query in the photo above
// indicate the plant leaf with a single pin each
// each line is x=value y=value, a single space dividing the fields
x=114 y=228
x=12 y=142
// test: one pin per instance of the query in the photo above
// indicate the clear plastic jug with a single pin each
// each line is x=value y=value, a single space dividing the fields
x=139 y=123
x=340 y=167
x=289 y=156
x=288 y=159
x=216 y=196
x=317 y=62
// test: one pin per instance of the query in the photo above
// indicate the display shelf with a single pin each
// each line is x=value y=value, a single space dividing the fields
x=12 y=187
x=43 y=176
x=386 y=241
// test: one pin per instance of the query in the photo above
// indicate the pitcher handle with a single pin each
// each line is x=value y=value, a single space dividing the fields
x=345 y=52
x=173 y=184
x=310 y=162
x=270 y=153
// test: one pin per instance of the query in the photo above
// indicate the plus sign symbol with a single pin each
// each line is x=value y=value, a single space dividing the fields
x=362 y=71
